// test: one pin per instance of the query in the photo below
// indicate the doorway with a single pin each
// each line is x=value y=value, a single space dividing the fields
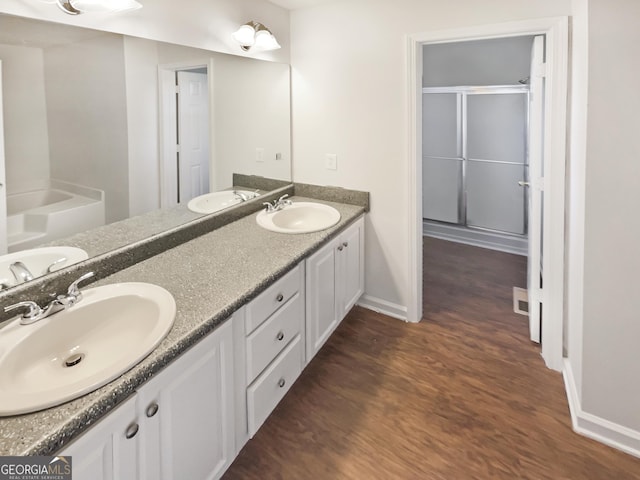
x=551 y=225
x=476 y=160
x=185 y=132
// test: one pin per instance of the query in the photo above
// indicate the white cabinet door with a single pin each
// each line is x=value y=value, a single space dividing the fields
x=104 y=452
x=321 y=308
x=335 y=282
x=350 y=271
x=190 y=433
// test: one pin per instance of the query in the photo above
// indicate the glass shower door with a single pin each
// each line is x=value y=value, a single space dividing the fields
x=496 y=153
x=442 y=161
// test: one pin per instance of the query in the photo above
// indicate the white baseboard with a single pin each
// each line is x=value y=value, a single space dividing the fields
x=597 y=428
x=382 y=306
x=478 y=238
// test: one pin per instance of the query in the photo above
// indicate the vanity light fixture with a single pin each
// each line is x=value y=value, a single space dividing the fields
x=255 y=35
x=75 y=7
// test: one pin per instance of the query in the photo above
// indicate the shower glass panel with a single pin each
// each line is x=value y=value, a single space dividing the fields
x=440 y=119
x=441 y=179
x=495 y=201
x=497 y=127
x=474 y=153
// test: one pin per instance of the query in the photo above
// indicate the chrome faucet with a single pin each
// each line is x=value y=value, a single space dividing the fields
x=20 y=272
x=277 y=204
x=61 y=302
x=243 y=197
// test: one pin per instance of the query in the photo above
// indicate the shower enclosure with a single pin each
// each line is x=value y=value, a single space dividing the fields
x=475 y=157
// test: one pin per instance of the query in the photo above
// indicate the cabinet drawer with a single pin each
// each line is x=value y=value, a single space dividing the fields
x=273 y=384
x=272 y=299
x=270 y=338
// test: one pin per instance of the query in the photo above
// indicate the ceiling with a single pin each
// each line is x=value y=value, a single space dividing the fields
x=296 y=4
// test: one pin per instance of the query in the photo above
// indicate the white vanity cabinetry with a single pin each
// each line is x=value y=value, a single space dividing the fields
x=334 y=283
x=180 y=423
x=191 y=419
x=110 y=450
x=273 y=343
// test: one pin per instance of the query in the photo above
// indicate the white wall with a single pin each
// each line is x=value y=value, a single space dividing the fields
x=87 y=118
x=196 y=23
x=25 y=119
x=348 y=97
x=611 y=330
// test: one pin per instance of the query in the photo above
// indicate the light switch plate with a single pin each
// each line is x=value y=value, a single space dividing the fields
x=331 y=161
x=259 y=154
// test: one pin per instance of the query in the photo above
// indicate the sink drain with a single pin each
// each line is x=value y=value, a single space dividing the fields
x=74 y=360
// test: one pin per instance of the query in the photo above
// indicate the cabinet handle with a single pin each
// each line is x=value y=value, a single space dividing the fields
x=280 y=297
x=152 y=409
x=345 y=244
x=132 y=430
x=281 y=382
x=280 y=336
x=340 y=248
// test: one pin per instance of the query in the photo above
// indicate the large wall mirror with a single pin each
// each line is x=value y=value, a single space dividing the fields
x=100 y=128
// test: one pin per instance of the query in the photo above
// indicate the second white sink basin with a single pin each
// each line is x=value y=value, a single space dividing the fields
x=76 y=351
x=299 y=217
x=216 y=201
x=40 y=261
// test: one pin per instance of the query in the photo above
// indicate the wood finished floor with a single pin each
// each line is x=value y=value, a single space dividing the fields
x=462 y=395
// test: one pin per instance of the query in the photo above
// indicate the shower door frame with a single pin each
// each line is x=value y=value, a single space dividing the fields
x=556 y=31
x=462 y=92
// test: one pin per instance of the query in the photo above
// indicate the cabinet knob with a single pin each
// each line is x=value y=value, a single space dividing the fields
x=132 y=430
x=281 y=382
x=340 y=248
x=280 y=297
x=280 y=336
x=152 y=409
x=345 y=244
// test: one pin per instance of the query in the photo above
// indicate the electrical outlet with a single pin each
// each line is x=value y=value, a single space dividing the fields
x=278 y=156
x=259 y=154
x=331 y=161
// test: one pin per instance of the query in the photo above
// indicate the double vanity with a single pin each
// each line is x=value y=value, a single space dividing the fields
x=254 y=302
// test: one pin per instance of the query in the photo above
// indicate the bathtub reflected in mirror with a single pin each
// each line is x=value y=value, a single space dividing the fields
x=54 y=211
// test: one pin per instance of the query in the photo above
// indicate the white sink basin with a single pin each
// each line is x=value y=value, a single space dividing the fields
x=215 y=201
x=80 y=349
x=299 y=217
x=38 y=261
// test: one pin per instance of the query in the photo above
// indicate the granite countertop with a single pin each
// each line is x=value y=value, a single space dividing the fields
x=206 y=292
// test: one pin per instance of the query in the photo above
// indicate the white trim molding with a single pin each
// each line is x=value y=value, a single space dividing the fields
x=594 y=427
x=556 y=30
x=383 y=306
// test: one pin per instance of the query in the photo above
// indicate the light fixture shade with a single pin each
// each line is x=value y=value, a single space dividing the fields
x=255 y=35
x=245 y=35
x=90 y=6
x=265 y=41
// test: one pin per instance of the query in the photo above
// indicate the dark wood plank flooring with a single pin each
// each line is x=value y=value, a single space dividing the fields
x=462 y=395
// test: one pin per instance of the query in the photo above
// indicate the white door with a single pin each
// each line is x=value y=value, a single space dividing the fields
x=536 y=122
x=193 y=135
x=3 y=181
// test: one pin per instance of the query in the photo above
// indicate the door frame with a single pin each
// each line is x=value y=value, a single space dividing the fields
x=556 y=30
x=167 y=124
